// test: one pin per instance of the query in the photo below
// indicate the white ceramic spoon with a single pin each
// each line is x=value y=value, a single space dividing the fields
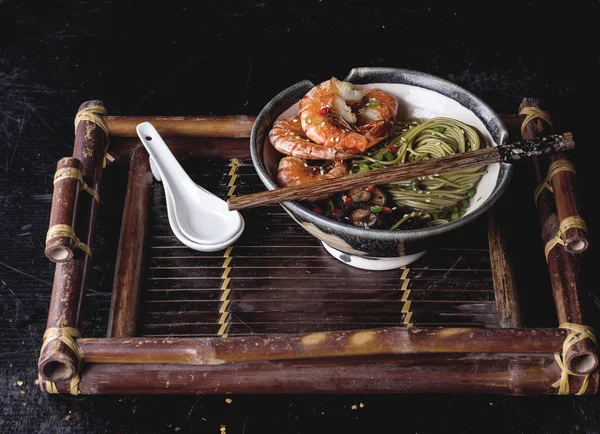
x=199 y=215
x=185 y=240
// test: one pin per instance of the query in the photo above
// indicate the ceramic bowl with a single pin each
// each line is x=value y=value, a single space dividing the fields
x=420 y=95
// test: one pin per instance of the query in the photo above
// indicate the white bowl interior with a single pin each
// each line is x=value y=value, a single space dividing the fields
x=419 y=102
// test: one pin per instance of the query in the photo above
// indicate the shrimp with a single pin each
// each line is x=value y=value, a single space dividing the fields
x=327 y=114
x=288 y=137
x=295 y=171
x=378 y=106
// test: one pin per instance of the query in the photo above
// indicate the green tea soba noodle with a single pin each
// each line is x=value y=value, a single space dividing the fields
x=436 y=198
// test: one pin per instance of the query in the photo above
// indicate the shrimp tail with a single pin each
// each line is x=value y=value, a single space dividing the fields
x=377 y=131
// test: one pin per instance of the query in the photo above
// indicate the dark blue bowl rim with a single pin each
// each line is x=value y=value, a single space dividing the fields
x=421 y=79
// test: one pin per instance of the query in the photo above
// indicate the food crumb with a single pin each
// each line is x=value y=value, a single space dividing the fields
x=228 y=400
x=22 y=392
x=354 y=407
x=177 y=428
x=24 y=404
x=223 y=429
x=361 y=405
x=67 y=417
x=19 y=383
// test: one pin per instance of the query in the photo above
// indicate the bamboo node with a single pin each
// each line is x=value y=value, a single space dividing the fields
x=67 y=231
x=578 y=333
x=567 y=223
x=94 y=114
x=71 y=172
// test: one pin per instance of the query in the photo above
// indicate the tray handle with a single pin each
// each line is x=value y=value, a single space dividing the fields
x=60 y=357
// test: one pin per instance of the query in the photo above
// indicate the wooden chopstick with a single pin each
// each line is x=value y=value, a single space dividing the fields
x=510 y=152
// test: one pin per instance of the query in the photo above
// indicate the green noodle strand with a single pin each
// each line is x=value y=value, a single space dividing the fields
x=417 y=140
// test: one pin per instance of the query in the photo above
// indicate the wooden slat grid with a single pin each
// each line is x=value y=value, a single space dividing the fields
x=277 y=278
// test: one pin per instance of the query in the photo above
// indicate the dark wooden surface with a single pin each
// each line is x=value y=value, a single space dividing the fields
x=219 y=58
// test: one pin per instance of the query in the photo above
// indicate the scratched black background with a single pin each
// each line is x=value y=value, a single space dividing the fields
x=226 y=57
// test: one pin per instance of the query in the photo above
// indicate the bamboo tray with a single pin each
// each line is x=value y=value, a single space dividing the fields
x=275 y=313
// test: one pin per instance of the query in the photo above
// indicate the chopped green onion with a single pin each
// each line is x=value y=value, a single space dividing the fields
x=363 y=168
x=355 y=198
x=414 y=184
x=376 y=208
x=308 y=121
x=388 y=156
x=454 y=216
x=434 y=216
x=471 y=192
x=464 y=204
x=374 y=102
x=379 y=157
x=454 y=209
x=439 y=129
x=462 y=212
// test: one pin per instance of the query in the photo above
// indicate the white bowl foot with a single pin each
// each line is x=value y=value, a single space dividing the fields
x=372 y=264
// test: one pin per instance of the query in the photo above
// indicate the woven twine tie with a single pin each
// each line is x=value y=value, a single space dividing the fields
x=67 y=231
x=71 y=172
x=94 y=114
x=578 y=334
x=554 y=168
x=68 y=336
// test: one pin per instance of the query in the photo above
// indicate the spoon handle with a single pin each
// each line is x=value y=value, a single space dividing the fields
x=168 y=166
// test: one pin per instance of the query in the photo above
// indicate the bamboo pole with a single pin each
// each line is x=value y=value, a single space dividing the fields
x=59 y=359
x=502 y=374
x=563 y=267
x=127 y=286
x=503 y=275
x=372 y=342
x=184 y=126
x=61 y=241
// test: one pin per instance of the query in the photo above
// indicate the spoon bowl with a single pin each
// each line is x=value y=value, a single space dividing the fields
x=199 y=215
x=185 y=240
